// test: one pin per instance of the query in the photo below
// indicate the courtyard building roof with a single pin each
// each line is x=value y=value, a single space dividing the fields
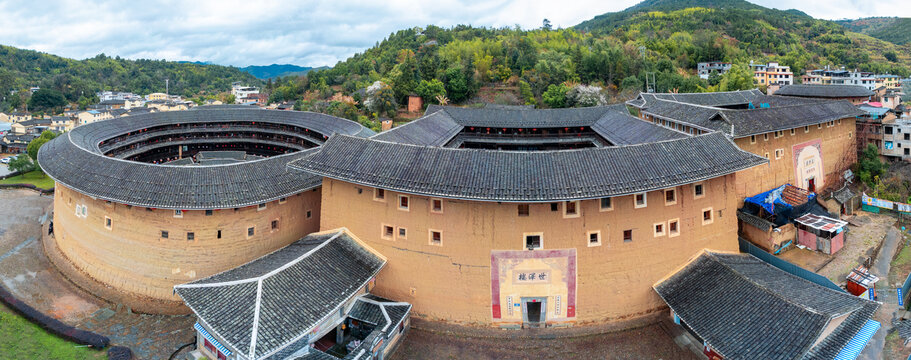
x=262 y=307
x=527 y=176
x=76 y=160
x=824 y=91
x=744 y=308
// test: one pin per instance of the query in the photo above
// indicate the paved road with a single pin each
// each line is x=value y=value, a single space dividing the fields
x=884 y=315
x=4 y=170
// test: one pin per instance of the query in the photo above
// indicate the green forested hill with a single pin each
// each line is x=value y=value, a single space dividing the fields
x=616 y=51
x=21 y=69
x=892 y=29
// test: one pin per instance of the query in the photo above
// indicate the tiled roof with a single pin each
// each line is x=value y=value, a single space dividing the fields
x=724 y=98
x=441 y=124
x=745 y=308
x=748 y=122
x=843 y=195
x=75 y=161
x=265 y=305
x=824 y=91
x=527 y=176
x=620 y=128
x=755 y=221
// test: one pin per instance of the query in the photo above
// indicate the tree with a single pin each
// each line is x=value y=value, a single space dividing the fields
x=36 y=143
x=457 y=84
x=585 y=96
x=47 y=100
x=555 y=96
x=738 y=78
x=546 y=25
x=527 y=94
x=869 y=167
x=714 y=78
x=430 y=90
x=891 y=56
x=381 y=99
x=22 y=164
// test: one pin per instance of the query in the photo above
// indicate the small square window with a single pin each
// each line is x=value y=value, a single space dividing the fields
x=523 y=209
x=402 y=233
x=641 y=200
x=108 y=223
x=659 y=229
x=779 y=153
x=793 y=132
x=673 y=227
x=752 y=139
x=707 y=216
x=670 y=197
x=627 y=235
x=208 y=212
x=191 y=236
x=251 y=231
x=379 y=194
x=594 y=238
x=388 y=231
x=436 y=205
x=606 y=204
x=571 y=209
x=403 y=202
x=533 y=241
x=698 y=190
x=274 y=224
x=806 y=129
x=283 y=200
x=261 y=207
x=178 y=213
x=554 y=207
x=164 y=234
x=765 y=137
x=819 y=126
x=309 y=214
x=436 y=237
x=218 y=234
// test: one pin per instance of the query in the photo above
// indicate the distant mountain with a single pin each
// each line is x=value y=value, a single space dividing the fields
x=892 y=29
x=278 y=70
x=80 y=79
x=616 y=19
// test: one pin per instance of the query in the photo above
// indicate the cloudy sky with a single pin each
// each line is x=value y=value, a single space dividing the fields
x=307 y=33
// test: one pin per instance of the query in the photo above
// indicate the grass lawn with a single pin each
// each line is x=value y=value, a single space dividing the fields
x=21 y=339
x=36 y=178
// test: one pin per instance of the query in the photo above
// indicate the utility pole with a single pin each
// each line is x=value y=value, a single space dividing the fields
x=167 y=87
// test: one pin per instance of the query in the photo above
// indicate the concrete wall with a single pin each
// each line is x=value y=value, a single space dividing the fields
x=452 y=281
x=837 y=147
x=132 y=257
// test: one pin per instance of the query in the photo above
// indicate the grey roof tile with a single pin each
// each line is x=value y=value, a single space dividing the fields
x=282 y=295
x=824 y=91
x=76 y=161
x=526 y=176
x=737 y=303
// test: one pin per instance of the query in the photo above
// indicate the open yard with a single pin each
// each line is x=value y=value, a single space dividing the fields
x=36 y=178
x=21 y=339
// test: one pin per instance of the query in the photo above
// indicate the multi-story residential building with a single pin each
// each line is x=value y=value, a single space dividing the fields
x=117 y=95
x=242 y=91
x=772 y=74
x=706 y=68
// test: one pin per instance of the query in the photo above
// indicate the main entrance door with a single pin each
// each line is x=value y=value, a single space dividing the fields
x=534 y=311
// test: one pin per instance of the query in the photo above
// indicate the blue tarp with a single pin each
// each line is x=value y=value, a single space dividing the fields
x=858 y=342
x=771 y=200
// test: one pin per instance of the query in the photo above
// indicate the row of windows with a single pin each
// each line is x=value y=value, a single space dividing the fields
x=388 y=232
x=404 y=201
x=165 y=234
x=780 y=133
x=669 y=228
x=570 y=209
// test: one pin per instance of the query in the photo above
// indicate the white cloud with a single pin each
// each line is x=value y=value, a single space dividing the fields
x=312 y=32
